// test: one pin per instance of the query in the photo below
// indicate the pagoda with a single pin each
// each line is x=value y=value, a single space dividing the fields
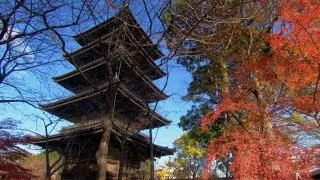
x=121 y=42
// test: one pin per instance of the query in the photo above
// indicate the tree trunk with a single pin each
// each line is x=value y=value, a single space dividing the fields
x=122 y=159
x=225 y=83
x=194 y=172
x=102 y=152
x=48 y=174
x=151 y=150
x=107 y=124
x=194 y=176
x=48 y=167
x=267 y=126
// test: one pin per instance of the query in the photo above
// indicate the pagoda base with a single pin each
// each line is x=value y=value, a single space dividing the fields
x=88 y=171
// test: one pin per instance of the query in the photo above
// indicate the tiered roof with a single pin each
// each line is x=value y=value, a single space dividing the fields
x=92 y=102
x=136 y=73
x=135 y=70
x=138 y=143
x=109 y=27
x=132 y=77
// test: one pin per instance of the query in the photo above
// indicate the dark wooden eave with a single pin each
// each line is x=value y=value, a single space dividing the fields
x=92 y=102
x=124 y=16
x=143 y=62
x=139 y=140
x=143 y=56
x=134 y=79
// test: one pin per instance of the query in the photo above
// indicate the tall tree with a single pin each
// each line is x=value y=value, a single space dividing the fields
x=203 y=94
x=260 y=81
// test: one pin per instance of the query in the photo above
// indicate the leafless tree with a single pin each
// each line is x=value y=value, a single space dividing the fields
x=33 y=32
x=52 y=166
x=29 y=42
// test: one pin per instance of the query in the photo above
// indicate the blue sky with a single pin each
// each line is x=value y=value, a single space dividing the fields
x=173 y=107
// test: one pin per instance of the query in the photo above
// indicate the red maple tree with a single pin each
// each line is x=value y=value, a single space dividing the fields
x=11 y=154
x=275 y=99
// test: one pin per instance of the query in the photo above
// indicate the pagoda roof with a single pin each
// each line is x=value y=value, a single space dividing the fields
x=138 y=139
x=123 y=17
x=149 y=67
x=140 y=53
x=93 y=101
x=135 y=80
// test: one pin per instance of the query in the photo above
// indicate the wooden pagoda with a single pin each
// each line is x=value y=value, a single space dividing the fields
x=121 y=41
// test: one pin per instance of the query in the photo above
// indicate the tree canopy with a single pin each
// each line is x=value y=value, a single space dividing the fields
x=261 y=64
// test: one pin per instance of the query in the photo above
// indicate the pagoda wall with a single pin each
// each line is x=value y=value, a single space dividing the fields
x=89 y=170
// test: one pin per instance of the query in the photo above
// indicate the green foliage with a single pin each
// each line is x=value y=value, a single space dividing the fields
x=37 y=164
x=205 y=79
x=296 y=118
x=53 y=156
x=167 y=16
x=232 y=2
x=173 y=7
x=191 y=121
x=189 y=162
x=189 y=146
x=144 y=170
x=206 y=137
x=165 y=172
